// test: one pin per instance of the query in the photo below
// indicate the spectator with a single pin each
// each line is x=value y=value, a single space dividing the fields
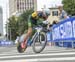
x=62 y=13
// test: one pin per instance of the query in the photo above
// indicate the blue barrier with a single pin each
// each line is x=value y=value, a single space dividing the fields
x=49 y=36
x=64 y=44
x=63 y=31
x=6 y=43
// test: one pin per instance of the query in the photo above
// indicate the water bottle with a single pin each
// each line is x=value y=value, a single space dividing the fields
x=29 y=42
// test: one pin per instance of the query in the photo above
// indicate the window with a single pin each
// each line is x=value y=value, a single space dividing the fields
x=17 y=6
x=54 y=13
x=22 y=5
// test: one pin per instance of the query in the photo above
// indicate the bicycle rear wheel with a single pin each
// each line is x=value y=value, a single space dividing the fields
x=39 y=42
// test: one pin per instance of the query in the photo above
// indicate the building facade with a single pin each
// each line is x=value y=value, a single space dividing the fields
x=21 y=5
x=12 y=7
x=4 y=15
x=54 y=15
x=1 y=21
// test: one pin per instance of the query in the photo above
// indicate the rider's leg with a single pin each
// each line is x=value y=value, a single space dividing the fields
x=24 y=44
x=28 y=34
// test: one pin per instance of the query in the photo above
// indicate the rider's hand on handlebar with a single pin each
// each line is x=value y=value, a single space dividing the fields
x=45 y=22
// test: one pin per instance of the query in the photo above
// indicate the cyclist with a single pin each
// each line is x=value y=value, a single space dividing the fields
x=34 y=19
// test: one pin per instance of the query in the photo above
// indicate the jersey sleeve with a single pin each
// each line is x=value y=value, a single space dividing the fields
x=29 y=22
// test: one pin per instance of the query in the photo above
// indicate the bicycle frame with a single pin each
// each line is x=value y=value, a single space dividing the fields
x=38 y=29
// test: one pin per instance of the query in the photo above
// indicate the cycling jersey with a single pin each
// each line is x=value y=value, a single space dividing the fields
x=34 y=21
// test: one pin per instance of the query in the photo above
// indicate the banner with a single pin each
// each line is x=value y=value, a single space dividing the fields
x=64 y=30
x=74 y=28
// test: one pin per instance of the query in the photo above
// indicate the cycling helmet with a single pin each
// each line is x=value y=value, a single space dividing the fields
x=34 y=14
x=46 y=12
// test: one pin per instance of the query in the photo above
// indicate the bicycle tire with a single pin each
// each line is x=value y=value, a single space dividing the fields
x=34 y=41
x=19 y=49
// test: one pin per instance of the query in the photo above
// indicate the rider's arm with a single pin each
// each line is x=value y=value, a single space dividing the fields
x=29 y=22
x=39 y=21
x=29 y=26
x=29 y=32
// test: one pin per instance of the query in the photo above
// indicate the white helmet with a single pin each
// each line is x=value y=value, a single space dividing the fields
x=46 y=11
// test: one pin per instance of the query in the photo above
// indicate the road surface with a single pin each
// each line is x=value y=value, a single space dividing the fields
x=50 y=54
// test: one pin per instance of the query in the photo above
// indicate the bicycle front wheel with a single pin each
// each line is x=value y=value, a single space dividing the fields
x=20 y=49
x=39 y=42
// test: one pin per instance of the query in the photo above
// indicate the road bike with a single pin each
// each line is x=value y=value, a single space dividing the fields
x=38 y=40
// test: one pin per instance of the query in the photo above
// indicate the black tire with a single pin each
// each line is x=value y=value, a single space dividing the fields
x=43 y=46
x=19 y=49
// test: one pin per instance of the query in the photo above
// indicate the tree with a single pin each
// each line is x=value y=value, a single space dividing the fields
x=13 y=26
x=18 y=25
x=23 y=21
x=69 y=6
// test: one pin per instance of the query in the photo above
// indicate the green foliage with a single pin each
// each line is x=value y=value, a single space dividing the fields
x=18 y=25
x=23 y=20
x=69 y=6
x=13 y=26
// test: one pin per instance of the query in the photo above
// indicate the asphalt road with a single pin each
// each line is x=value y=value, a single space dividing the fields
x=50 y=54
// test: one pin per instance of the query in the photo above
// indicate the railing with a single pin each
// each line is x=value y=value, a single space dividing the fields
x=63 y=31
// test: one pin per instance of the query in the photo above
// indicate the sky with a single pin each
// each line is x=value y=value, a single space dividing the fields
x=48 y=3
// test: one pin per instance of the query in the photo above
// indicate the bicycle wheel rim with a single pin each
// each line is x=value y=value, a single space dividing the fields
x=37 y=48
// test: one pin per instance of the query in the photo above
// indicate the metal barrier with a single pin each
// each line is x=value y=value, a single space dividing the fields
x=64 y=32
x=6 y=43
